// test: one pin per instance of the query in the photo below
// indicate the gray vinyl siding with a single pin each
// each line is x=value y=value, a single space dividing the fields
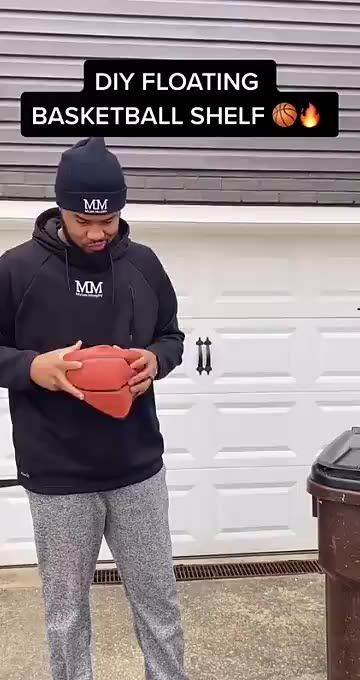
x=315 y=45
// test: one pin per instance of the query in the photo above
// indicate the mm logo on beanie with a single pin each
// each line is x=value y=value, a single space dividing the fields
x=96 y=205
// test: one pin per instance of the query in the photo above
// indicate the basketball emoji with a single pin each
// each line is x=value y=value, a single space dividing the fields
x=284 y=114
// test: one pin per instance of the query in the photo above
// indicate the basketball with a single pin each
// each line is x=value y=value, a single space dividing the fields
x=284 y=114
x=103 y=377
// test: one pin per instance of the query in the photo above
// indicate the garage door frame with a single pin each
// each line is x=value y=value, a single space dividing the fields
x=19 y=216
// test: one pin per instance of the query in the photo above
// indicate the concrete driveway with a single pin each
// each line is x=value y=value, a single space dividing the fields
x=246 y=629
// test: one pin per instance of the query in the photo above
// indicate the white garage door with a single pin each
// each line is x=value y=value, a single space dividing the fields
x=281 y=315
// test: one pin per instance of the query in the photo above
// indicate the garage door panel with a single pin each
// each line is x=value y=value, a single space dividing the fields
x=7 y=455
x=241 y=511
x=268 y=509
x=227 y=456
x=211 y=512
x=186 y=430
x=259 y=355
x=322 y=276
x=261 y=432
x=255 y=281
x=249 y=430
x=235 y=275
x=339 y=352
x=245 y=511
x=243 y=276
x=337 y=280
x=296 y=354
x=237 y=430
x=243 y=356
x=339 y=275
x=265 y=276
x=16 y=532
x=263 y=355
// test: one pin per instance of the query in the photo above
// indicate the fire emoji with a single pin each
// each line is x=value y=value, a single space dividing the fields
x=310 y=117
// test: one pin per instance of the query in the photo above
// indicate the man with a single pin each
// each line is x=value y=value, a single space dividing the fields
x=81 y=281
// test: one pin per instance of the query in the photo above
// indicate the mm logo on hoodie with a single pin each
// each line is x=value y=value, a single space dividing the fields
x=89 y=288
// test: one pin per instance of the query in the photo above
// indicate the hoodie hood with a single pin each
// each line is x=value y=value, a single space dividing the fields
x=46 y=230
x=46 y=233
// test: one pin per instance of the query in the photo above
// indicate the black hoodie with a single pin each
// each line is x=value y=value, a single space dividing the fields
x=51 y=296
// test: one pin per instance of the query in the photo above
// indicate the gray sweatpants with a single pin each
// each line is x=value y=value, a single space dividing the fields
x=68 y=531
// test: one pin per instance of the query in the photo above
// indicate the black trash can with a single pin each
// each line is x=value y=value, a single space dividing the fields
x=334 y=484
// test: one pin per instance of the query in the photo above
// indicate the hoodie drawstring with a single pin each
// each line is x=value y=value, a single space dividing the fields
x=112 y=278
x=132 y=314
x=67 y=270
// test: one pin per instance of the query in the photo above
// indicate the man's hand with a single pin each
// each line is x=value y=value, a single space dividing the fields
x=49 y=370
x=147 y=368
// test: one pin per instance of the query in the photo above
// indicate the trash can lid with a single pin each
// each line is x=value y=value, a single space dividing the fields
x=338 y=465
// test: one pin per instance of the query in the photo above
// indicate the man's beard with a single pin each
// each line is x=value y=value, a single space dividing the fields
x=72 y=243
x=66 y=234
x=98 y=260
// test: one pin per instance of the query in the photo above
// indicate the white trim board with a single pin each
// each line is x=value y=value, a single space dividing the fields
x=21 y=215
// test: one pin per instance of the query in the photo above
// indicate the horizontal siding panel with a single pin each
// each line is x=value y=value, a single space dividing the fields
x=154 y=29
x=319 y=78
x=46 y=70
x=348 y=99
x=9 y=111
x=205 y=181
x=314 y=12
x=42 y=72
x=349 y=120
x=41 y=67
x=208 y=179
x=117 y=49
x=10 y=134
x=12 y=89
x=287 y=184
x=191 y=196
x=47 y=156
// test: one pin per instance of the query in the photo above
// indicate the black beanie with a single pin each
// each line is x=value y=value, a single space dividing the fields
x=90 y=179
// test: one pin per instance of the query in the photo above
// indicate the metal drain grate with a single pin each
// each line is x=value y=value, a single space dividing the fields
x=105 y=576
x=205 y=572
